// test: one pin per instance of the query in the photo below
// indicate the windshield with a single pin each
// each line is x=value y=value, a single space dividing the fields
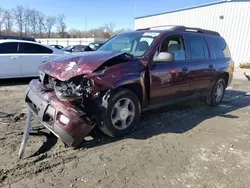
x=135 y=43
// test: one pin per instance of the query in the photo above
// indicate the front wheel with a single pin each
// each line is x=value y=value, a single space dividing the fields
x=122 y=114
x=216 y=95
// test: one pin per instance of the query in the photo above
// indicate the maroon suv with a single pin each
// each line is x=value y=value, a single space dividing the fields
x=130 y=73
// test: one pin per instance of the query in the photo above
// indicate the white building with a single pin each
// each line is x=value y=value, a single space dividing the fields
x=230 y=18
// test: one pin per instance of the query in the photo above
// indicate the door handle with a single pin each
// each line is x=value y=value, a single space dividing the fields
x=45 y=57
x=14 y=57
x=211 y=66
x=185 y=69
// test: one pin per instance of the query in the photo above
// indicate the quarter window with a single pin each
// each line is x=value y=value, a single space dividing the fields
x=220 y=47
x=8 y=48
x=29 y=48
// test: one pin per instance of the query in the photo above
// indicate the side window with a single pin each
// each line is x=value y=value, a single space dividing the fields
x=8 y=48
x=29 y=48
x=198 y=47
x=220 y=47
x=174 y=45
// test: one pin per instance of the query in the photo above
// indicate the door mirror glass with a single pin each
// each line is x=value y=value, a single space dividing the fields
x=164 y=57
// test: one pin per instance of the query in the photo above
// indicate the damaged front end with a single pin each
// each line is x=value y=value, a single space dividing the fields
x=74 y=89
x=71 y=95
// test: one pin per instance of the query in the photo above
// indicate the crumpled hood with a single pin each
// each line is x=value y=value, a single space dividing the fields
x=72 y=65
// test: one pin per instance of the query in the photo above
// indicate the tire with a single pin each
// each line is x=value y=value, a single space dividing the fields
x=115 y=123
x=212 y=98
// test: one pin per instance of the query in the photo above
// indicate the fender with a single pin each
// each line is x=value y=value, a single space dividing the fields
x=119 y=76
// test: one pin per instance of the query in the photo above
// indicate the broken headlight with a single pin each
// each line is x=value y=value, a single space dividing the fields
x=74 y=89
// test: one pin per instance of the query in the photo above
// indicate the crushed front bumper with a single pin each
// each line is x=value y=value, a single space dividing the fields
x=48 y=109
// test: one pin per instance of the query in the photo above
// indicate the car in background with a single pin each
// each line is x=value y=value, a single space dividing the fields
x=95 y=45
x=74 y=48
x=57 y=46
x=19 y=58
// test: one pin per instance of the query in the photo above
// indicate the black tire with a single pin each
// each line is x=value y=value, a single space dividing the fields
x=108 y=127
x=211 y=98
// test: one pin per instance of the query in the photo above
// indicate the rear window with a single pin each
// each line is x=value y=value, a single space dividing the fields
x=29 y=48
x=220 y=47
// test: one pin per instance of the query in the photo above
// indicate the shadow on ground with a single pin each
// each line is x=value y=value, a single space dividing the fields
x=51 y=140
x=15 y=81
x=178 y=118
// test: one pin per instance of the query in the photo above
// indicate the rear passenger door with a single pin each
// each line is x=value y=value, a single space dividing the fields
x=201 y=64
x=31 y=57
x=10 y=65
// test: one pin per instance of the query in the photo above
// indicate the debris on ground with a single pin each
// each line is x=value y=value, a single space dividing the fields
x=185 y=145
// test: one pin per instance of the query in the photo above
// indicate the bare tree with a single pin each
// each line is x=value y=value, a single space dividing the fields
x=41 y=25
x=49 y=24
x=19 y=17
x=34 y=21
x=110 y=27
x=2 y=18
x=61 y=25
x=27 y=15
x=8 y=22
x=74 y=33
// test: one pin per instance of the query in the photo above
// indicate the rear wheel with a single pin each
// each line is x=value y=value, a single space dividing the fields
x=122 y=114
x=216 y=95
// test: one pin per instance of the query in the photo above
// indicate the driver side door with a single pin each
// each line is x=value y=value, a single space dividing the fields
x=170 y=80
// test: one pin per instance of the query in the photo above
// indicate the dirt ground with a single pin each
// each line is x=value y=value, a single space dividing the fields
x=184 y=145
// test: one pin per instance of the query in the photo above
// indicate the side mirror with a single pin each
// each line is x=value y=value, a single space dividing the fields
x=164 y=57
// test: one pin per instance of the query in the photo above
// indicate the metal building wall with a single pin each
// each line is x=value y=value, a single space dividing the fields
x=234 y=27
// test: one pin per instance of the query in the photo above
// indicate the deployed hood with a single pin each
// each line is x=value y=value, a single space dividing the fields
x=73 y=65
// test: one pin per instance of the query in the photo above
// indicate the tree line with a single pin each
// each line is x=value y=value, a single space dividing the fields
x=21 y=21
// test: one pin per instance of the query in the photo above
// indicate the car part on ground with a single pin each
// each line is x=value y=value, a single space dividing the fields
x=247 y=75
x=25 y=135
x=110 y=87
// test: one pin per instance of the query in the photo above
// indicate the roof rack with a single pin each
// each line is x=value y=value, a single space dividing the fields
x=184 y=28
x=17 y=38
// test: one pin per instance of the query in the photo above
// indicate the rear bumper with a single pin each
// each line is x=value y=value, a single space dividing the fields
x=48 y=109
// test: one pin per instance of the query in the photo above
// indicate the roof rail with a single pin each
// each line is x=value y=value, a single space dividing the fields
x=194 y=29
x=184 y=28
x=155 y=27
x=17 y=38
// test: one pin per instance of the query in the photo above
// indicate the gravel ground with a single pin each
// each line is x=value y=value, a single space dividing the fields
x=184 y=145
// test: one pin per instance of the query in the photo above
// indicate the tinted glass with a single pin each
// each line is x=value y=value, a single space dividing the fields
x=8 y=48
x=174 y=45
x=196 y=45
x=29 y=48
x=220 y=47
x=79 y=48
x=205 y=49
